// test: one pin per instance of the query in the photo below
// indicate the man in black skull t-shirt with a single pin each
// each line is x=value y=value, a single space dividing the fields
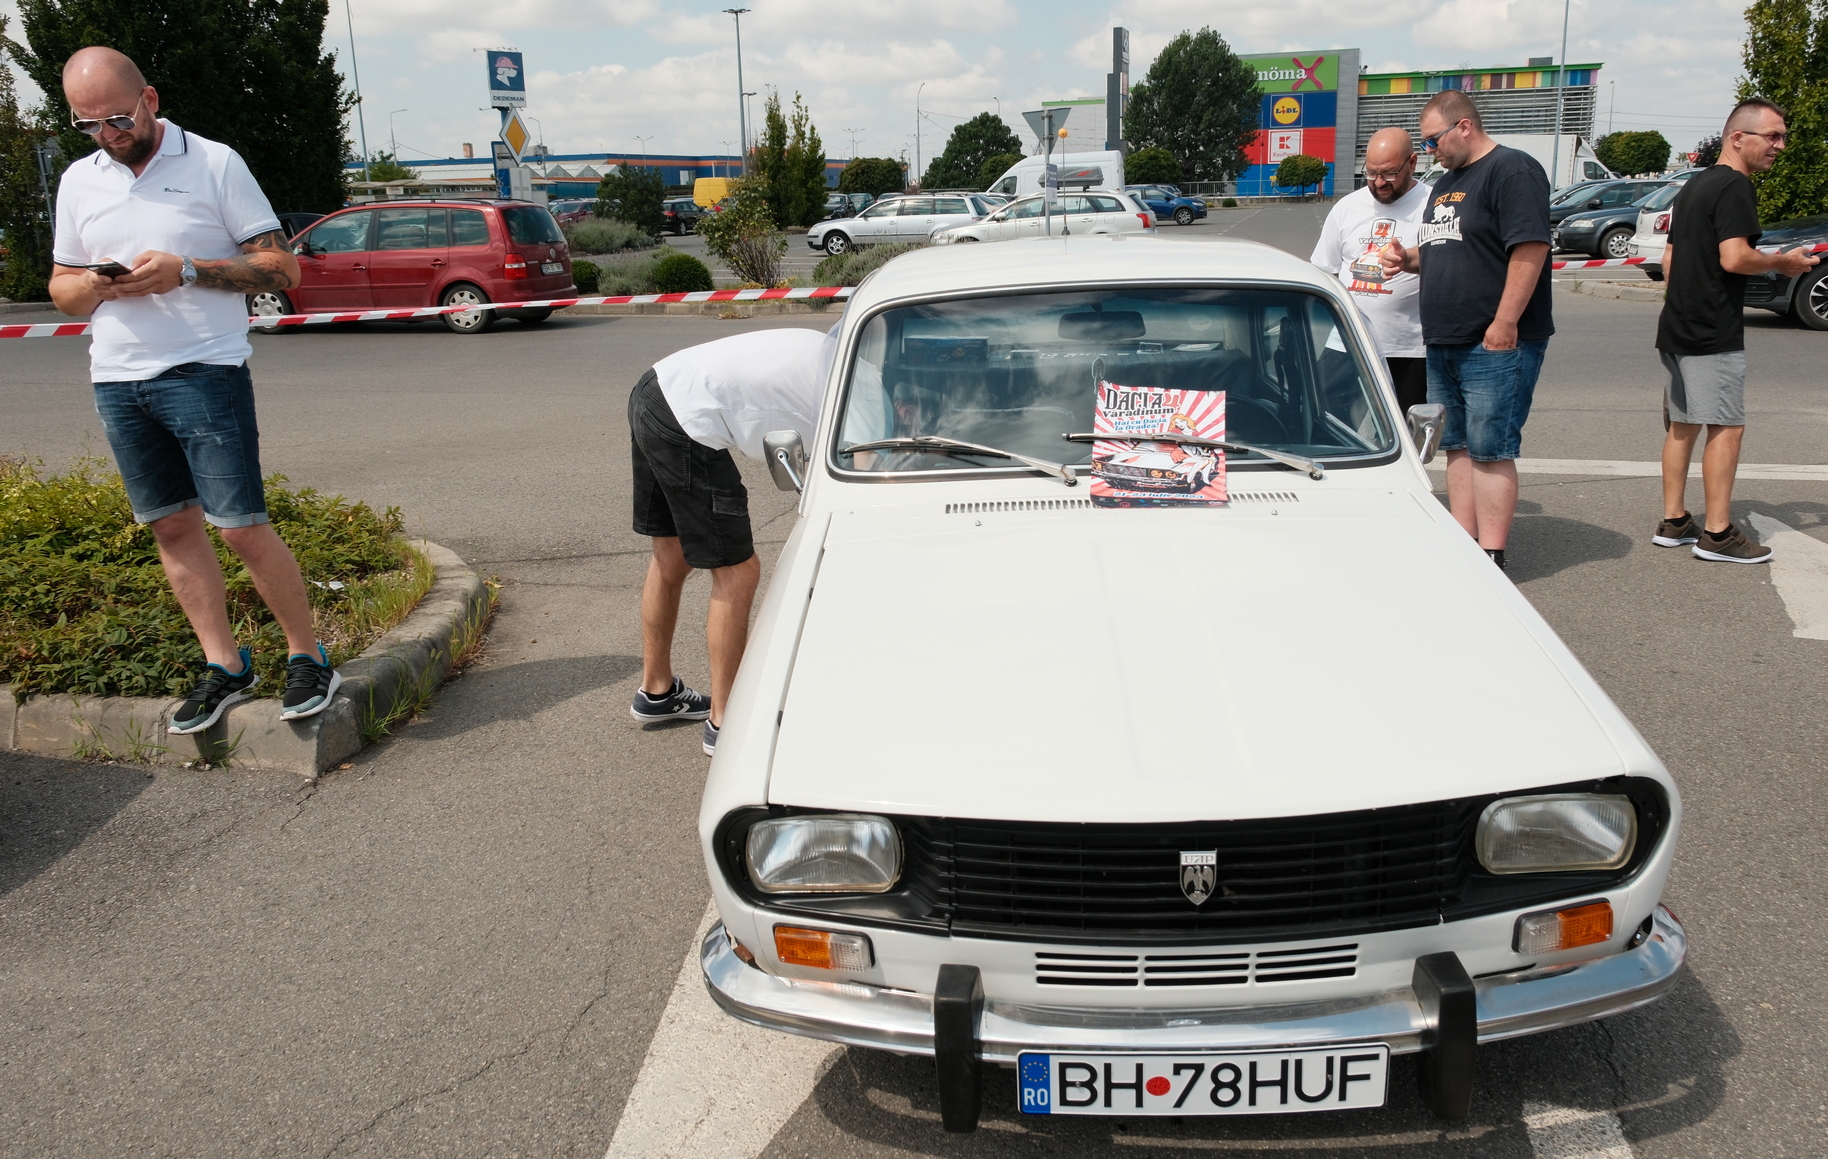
x=1483 y=256
x=1701 y=333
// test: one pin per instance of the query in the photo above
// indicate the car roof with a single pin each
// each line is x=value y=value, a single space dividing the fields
x=1043 y=263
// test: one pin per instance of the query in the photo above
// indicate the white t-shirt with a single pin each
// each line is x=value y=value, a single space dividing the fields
x=1358 y=226
x=195 y=199
x=727 y=394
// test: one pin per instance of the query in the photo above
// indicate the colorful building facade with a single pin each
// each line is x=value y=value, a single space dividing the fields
x=1302 y=111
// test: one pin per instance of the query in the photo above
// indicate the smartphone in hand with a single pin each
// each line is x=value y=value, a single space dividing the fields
x=109 y=269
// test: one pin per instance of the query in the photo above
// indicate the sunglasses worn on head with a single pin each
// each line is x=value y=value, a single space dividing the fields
x=121 y=123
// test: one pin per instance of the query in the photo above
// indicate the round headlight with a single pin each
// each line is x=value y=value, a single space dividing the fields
x=829 y=853
x=1559 y=831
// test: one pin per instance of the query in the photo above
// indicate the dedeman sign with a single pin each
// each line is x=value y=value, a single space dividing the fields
x=1300 y=72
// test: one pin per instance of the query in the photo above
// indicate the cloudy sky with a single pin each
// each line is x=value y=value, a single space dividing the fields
x=604 y=73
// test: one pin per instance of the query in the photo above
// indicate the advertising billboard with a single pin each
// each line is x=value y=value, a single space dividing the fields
x=1299 y=114
x=507 y=79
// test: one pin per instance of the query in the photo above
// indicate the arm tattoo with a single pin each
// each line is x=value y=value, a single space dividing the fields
x=249 y=273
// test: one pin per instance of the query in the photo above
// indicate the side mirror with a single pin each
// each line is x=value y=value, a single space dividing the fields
x=786 y=455
x=1595 y=203
x=1425 y=422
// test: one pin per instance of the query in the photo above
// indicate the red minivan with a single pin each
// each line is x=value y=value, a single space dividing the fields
x=395 y=254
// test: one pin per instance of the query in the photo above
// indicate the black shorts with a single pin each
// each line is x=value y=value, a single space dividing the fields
x=684 y=488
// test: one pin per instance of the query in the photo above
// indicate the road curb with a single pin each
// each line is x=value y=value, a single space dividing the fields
x=1620 y=290
x=381 y=685
x=758 y=309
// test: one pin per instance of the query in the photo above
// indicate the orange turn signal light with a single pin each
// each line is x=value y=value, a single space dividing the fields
x=1547 y=931
x=822 y=949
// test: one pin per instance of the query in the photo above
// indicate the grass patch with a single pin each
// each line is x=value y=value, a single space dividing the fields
x=602 y=236
x=85 y=607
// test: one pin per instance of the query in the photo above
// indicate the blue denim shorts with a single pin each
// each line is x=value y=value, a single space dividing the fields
x=1487 y=394
x=187 y=438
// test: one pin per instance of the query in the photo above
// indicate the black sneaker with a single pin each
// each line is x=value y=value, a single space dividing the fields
x=679 y=703
x=710 y=739
x=1496 y=554
x=310 y=683
x=218 y=689
x=1730 y=546
x=1677 y=532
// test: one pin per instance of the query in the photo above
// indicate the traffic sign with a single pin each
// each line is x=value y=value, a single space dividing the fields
x=1046 y=122
x=514 y=134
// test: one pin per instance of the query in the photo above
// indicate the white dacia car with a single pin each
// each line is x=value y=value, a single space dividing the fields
x=1176 y=809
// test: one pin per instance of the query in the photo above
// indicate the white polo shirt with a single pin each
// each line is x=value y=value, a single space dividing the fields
x=727 y=394
x=195 y=199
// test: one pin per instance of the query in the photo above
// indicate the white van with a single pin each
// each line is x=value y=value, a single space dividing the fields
x=1077 y=171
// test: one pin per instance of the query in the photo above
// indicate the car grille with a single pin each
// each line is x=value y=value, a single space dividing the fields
x=1377 y=869
x=1211 y=968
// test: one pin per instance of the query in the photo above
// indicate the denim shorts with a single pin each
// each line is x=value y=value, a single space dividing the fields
x=187 y=438
x=1487 y=394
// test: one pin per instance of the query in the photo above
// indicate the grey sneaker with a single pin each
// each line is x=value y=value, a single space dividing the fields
x=1677 y=532
x=679 y=703
x=710 y=739
x=1730 y=546
x=218 y=689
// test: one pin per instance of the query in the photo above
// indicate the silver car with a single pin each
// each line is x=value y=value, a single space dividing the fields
x=911 y=218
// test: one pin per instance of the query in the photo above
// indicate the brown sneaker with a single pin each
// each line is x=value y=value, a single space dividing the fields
x=1730 y=546
x=1676 y=532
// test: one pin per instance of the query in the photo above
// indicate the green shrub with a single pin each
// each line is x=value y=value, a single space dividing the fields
x=85 y=606
x=849 y=269
x=1229 y=203
x=1154 y=166
x=680 y=273
x=632 y=194
x=586 y=275
x=630 y=272
x=743 y=234
x=598 y=236
x=1299 y=171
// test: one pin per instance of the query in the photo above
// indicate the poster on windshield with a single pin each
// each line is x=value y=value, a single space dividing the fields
x=1133 y=470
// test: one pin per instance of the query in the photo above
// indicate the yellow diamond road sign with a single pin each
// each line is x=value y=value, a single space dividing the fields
x=515 y=135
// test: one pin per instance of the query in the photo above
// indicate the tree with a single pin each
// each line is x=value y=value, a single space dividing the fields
x=633 y=194
x=1707 y=152
x=874 y=176
x=23 y=217
x=1300 y=171
x=252 y=74
x=1786 y=60
x=1154 y=166
x=1633 y=153
x=970 y=145
x=384 y=167
x=789 y=159
x=1199 y=102
x=994 y=167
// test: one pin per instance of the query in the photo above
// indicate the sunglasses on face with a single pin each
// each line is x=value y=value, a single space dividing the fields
x=1429 y=143
x=1777 y=138
x=121 y=123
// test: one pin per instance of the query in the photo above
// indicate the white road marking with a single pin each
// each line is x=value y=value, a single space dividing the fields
x=1799 y=569
x=712 y=1087
x=1780 y=472
x=1566 y=1133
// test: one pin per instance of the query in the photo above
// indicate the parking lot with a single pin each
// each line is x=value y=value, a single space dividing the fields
x=471 y=942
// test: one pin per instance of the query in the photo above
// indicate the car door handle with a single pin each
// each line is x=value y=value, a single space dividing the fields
x=359 y=266
x=436 y=262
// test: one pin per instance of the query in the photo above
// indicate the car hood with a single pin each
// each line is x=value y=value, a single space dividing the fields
x=1347 y=650
x=1796 y=229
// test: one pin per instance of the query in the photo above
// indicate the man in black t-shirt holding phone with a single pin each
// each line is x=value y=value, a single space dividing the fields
x=1701 y=333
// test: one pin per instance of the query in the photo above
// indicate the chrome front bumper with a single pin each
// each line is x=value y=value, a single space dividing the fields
x=1508 y=1006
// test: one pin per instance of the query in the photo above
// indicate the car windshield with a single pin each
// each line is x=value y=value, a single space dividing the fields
x=1575 y=193
x=1661 y=199
x=1017 y=372
x=531 y=225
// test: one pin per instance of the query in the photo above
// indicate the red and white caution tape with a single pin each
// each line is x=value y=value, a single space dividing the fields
x=77 y=329
x=1600 y=263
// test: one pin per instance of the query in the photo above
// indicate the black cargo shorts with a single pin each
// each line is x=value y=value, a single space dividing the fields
x=684 y=488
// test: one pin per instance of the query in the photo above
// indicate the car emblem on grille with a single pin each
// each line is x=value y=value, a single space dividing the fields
x=1199 y=873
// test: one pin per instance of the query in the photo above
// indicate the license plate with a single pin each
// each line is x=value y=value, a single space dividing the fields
x=552 y=267
x=1271 y=1082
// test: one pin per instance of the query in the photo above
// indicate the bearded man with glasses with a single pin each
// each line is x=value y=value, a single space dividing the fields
x=1701 y=332
x=160 y=234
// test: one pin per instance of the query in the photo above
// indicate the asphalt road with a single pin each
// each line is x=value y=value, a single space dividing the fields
x=463 y=944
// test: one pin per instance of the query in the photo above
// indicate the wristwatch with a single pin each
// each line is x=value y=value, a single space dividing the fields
x=189 y=273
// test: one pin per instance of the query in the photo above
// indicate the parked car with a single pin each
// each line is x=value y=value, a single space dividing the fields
x=680 y=215
x=1601 y=195
x=566 y=212
x=1168 y=203
x=1805 y=298
x=846 y=204
x=428 y=253
x=1653 y=225
x=1603 y=233
x=894 y=219
x=1267 y=892
x=1095 y=211
x=291 y=223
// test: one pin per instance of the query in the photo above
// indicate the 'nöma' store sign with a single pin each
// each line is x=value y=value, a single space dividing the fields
x=1299 y=114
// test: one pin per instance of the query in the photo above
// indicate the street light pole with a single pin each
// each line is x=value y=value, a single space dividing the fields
x=1561 y=97
x=644 y=141
x=750 y=117
x=392 y=147
x=361 y=121
x=726 y=145
x=742 y=112
x=917 y=173
x=853 y=133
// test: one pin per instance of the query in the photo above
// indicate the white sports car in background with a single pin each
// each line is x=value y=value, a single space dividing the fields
x=1247 y=903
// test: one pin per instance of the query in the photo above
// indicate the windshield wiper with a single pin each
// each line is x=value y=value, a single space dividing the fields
x=1314 y=470
x=940 y=445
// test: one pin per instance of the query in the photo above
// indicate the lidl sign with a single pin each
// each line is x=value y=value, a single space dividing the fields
x=1296 y=72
